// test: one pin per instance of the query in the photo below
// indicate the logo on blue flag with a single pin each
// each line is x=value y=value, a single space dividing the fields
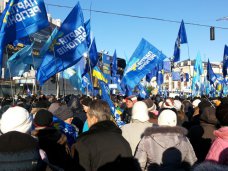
x=70 y=47
x=19 y=19
x=142 y=62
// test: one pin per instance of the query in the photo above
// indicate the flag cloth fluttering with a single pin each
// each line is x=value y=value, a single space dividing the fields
x=68 y=49
x=15 y=25
x=181 y=39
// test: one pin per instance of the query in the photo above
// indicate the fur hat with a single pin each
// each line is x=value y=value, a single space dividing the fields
x=16 y=119
x=63 y=112
x=140 y=111
x=195 y=103
x=167 y=117
x=43 y=118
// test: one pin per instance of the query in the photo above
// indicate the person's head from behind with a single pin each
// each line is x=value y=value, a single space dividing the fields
x=99 y=110
x=85 y=103
x=222 y=114
x=167 y=117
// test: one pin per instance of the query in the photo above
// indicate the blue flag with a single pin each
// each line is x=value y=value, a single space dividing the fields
x=142 y=62
x=87 y=84
x=114 y=64
x=181 y=39
x=211 y=77
x=142 y=91
x=93 y=58
x=50 y=41
x=74 y=74
x=225 y=61
x=69 y=47
x=19 y=19
x=160 y=74
x=87 y=28
x=106 y=97
x=184 y=77
x=16 y=63
x=197 y=72
x=152 y=74
x=167 y=66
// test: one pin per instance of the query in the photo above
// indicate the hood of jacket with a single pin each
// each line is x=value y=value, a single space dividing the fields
x=166 y=136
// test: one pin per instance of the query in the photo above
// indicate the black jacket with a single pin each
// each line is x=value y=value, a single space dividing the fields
x=19 y=151
x=100 y=146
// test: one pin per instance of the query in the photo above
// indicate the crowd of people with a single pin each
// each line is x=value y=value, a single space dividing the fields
x=79 y=132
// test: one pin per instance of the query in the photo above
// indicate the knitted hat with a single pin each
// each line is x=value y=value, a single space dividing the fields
x=150 y=104
x=43 y=118
x=63 y=112
x=53 y=107
x=16 y=119
x=177 y=105
x=167 y=117
x=196 y=102
x=140 y=111
x=132 y=98
x=222 y=114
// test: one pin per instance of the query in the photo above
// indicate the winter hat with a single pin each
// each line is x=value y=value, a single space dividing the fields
x=86 y=101
x=167 y=117
x=140 y=111
x=132 y=98
x=63 y=112
x=222 y=114
x=43 y=118
x=195 y=103
x=150 y=104
x=53 y=107
x=168 y=103
x=16 y=119
x=177 y=105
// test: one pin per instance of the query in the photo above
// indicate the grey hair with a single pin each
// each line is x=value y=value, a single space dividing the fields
x=100 y=109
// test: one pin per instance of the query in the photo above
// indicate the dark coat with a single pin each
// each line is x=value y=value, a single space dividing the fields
x=19 y=151
x=102 y=144
x=50 y=142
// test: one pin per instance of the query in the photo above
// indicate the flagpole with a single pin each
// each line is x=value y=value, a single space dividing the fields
x=190 y=75
x=11 y=82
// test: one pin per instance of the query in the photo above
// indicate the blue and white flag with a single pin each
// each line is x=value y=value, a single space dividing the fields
x=181 y=39
x=167 y=66
x=142 y=62
x=225 y=61
x=69 y=47
x=211 y=77
x=21 y=18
